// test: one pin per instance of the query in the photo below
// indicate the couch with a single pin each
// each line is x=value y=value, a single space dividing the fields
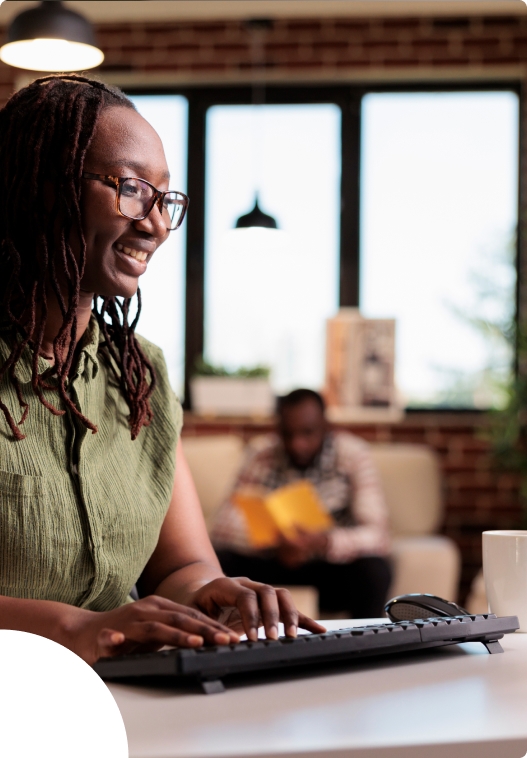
x=423 y=561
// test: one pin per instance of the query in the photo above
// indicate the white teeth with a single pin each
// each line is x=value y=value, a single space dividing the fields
x=139 y=255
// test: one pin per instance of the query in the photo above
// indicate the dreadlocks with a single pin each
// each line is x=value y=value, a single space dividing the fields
x=45 y=132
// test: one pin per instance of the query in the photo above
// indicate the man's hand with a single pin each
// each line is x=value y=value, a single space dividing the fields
x=253 y=604
x=303 y=547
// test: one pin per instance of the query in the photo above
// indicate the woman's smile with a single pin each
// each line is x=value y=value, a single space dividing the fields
x=139 y=255
x=131 y=262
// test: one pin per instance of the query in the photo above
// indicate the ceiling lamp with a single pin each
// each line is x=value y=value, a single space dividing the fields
x=258 y=28
x=51 y=37
x=256 y=218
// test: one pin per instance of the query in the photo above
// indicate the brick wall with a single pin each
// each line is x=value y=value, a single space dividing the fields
x=477 y=496
x=318 y=49
x=317 y=46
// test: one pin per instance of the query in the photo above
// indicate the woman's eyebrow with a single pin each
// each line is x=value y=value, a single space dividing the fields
x=138 y=168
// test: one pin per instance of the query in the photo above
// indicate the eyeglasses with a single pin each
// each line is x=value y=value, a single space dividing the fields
x=135 y=198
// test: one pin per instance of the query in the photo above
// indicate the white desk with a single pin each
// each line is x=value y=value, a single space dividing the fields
x=454 y=702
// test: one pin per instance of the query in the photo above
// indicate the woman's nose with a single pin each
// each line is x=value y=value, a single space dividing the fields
x=153 y=224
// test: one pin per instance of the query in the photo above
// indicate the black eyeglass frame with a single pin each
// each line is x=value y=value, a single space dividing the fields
x=157 y=198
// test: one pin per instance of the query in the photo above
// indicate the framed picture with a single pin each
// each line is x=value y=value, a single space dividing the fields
x=360 y=365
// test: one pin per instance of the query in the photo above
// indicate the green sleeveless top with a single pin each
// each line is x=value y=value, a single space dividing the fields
x=80 y=513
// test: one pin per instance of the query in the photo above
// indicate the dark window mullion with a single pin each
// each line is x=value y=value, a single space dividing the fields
x=195 y=258
x=350 y=201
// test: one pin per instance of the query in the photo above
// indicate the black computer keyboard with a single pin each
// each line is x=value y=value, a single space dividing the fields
x=208 y=665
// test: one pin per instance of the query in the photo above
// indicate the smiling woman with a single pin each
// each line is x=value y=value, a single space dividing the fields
x=129 y=144
x=84 y=205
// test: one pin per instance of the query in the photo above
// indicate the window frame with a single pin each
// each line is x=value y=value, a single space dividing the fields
x=349 y=98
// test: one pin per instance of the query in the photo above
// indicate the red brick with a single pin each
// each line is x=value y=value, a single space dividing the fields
x=449 y=466
x=230 y=48
x=351 y=26
x=380 y=47
x=452 y=61
x=334 y=46
x=280 y=47
x=132 y=51
x=488 y=42
x=519 y=47
x=470 y=442
x=351 y=63
x=304 y=26
x=398 y=24
x=437 y=42
x=298 y=65
x=510 y=22
x=452 y=22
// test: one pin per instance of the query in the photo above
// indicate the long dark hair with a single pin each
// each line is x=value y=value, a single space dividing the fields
x=45 y=132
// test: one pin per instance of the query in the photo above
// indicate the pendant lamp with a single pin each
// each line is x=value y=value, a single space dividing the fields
x=51 y=37
x=256 y=218
x=258 y=28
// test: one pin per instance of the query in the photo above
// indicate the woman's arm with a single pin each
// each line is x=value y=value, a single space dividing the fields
x=187 y=591
x=136 y=627
x=146 y=625
x=184 y=568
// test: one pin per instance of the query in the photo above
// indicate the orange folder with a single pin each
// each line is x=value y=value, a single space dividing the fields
x=262 y=529
x=298 y=506
x=295 y=506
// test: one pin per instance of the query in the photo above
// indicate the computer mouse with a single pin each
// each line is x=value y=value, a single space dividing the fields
x=417 y=606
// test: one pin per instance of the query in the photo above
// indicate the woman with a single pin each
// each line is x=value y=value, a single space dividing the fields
x=89 y=429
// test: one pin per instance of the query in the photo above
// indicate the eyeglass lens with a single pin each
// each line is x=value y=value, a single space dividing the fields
x=135 y=201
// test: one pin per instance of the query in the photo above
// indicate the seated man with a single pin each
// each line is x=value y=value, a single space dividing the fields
x=347 y=564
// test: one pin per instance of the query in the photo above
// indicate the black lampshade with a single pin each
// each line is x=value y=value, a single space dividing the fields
x=256 y=218
x=51 y=37
x=51 y=20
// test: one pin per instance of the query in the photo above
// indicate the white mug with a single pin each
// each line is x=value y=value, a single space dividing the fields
x=505 y=572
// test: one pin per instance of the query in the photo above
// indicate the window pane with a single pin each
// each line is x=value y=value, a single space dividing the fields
x=163 y=285
x=438 y=217
x=268 y=292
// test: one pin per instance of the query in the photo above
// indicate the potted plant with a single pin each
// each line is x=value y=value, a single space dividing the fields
x=216 y=391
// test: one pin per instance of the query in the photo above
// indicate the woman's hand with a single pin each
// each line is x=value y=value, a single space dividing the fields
x=253 y=604
x=143 y=626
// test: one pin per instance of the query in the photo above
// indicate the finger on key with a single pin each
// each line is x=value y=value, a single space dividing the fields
x=247 y=604
x=195 y=614
x=304 y=622
x=165 y=634
x=211 y=633
x=288 y=612
x=269 y=610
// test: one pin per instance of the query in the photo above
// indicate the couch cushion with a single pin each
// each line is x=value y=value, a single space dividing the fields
x=412 y=486
x=426 y=564
x=214 y=461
